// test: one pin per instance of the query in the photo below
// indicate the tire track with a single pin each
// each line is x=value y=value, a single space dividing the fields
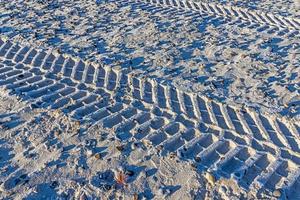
x=251 y=147
x=230 y=12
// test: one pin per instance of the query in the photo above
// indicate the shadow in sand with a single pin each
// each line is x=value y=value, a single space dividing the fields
x=47 y=191
x=6 y=155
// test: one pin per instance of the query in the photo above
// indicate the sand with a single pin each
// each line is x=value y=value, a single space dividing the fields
x=44 y=155
x=149 y=100
x=280 y=7
x=231 y=60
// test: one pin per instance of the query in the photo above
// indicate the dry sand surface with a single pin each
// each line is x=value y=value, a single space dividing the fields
x=49 y=157
x=225 y=58
x=149 y=99
x=282 y=7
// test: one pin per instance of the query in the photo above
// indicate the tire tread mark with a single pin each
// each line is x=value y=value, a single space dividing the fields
x=164 y=115
x=230 y=11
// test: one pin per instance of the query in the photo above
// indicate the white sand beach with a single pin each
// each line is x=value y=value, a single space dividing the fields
x=149 y=99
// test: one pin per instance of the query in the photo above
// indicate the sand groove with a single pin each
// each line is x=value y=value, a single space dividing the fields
x=230 y=12
x=248 y=146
